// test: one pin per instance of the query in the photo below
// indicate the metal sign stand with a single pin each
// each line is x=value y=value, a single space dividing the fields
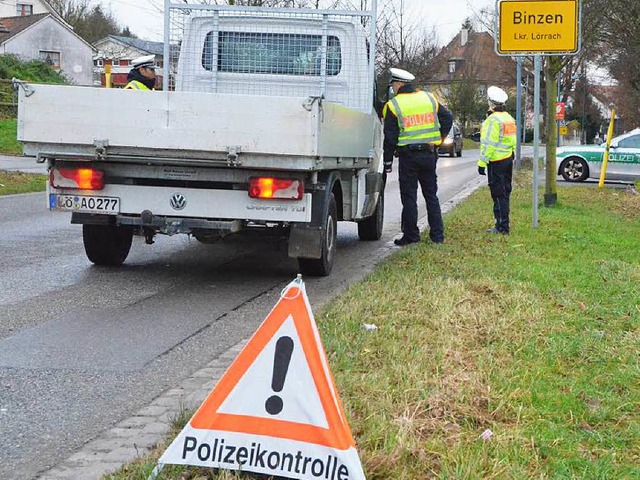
x=513 y=39
x=536 y=137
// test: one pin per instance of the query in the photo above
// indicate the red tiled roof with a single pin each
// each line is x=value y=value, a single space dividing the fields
x=14 y=25
x=476 y=58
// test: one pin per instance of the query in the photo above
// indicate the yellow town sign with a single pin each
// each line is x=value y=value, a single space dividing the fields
x=538 y=27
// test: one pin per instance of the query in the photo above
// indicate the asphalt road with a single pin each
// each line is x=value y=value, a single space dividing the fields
x=82 y=347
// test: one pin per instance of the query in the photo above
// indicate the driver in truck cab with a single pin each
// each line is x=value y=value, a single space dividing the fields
x=143 y=74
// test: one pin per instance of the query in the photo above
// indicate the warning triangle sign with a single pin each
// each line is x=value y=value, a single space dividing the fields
x=276 y=409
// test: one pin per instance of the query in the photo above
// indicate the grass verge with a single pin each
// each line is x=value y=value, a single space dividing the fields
x=18 y=182
x=8 y=133
x=532 y=339
x=468 y=144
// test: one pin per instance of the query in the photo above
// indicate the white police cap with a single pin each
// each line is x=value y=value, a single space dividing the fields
x=497 y=95
x=399 y=75
x=148 y=61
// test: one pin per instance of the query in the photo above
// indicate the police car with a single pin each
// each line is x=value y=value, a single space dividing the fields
x=578 y=163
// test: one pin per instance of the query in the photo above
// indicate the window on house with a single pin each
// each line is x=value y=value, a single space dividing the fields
x=99 y=62
x=23 y=9
x=116 y=63
x=50 y=58
x=452 y=66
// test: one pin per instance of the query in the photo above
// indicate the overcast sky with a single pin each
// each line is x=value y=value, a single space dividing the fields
x=145 y=17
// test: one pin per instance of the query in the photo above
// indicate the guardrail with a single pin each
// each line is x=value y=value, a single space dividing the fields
x=8 y=99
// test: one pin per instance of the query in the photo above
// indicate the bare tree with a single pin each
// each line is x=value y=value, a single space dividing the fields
x=401 y=43
x=621 y=51
x=465 y=98
x=89 y=20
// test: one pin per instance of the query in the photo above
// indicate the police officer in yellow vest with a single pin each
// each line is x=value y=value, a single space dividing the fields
x=414 y=125
x=497 y=143
x=143 y=74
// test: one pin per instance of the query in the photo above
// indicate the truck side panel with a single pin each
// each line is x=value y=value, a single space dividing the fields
x=346 y=132
x=166 y=120
x=192 y=121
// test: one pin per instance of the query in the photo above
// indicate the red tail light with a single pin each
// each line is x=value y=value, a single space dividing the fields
x=79 y=178
x=276 y=188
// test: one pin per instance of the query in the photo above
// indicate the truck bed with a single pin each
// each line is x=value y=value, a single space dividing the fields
x=268 y=132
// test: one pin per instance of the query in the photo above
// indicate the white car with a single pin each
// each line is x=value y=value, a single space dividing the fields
x=578 y=163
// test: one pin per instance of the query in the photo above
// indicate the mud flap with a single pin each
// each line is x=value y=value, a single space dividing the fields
x=306 y=241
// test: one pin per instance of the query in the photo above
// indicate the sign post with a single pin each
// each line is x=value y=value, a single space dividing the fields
x=537 y=27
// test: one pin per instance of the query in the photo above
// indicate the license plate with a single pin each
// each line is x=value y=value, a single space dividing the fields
x=85 y=204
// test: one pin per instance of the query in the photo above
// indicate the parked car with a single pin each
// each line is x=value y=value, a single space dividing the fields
x=453 y=143
x=577 y=163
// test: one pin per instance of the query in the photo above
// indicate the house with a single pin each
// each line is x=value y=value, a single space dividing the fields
x=605 y=98
x=470 y=59
x=118 y=52
x=21 y=8
x=471 y=55
x=47 y=37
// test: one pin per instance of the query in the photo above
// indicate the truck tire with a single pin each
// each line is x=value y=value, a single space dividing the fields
x=106 y=244
x=371 y=227
x=321 y=267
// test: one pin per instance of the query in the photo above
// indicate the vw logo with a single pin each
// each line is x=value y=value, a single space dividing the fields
x=178 y=201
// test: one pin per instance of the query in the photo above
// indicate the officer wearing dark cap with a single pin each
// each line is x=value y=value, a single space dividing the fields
x=414 y=126
x=143 y=74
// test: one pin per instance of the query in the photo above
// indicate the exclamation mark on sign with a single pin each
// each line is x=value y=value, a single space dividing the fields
x=281 y=359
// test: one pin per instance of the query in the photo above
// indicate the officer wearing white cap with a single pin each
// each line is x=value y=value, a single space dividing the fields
x=143 y=74
x=497 y=144
x=399 y=75
x=414 y=125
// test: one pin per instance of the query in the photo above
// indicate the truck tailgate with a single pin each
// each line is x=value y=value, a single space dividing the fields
x=131 y=120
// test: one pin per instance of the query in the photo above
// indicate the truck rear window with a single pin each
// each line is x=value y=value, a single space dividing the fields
x=271 y=53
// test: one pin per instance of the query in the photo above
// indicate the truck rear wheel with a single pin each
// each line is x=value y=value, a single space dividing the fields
x=106 y=244
x=371 y=227
x=322 y=266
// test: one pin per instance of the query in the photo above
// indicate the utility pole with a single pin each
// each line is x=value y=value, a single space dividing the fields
x=583 y=79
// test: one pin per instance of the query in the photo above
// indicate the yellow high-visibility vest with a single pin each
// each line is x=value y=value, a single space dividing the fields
x=136 y=85
x=417 y=114
x=497 y=138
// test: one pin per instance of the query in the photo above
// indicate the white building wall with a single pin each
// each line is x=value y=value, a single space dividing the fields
x=76 y=56
x=112 y=50
x=8 y=8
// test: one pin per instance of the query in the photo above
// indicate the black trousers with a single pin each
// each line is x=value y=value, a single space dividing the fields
x=499 y=176
x=419 y=167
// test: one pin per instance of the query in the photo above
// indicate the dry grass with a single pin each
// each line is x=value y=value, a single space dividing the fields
x=18 y=182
